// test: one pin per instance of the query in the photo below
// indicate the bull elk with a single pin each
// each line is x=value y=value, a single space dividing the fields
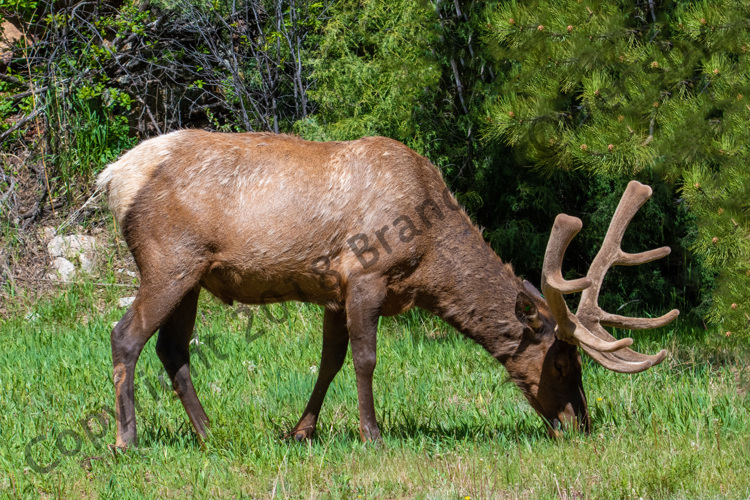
x=365 y=228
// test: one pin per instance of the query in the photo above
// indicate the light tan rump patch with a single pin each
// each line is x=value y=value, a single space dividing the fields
x=124 y=178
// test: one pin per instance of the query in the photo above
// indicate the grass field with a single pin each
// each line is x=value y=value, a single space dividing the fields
x=452 y=427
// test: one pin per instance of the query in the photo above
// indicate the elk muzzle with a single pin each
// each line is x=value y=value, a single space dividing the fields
x=570 y=418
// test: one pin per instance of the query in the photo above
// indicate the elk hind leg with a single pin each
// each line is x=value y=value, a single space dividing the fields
x=172 y=346
x=151 y=308
x=335 y=344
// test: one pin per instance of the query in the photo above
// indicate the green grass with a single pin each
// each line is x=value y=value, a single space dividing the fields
x=452 y=427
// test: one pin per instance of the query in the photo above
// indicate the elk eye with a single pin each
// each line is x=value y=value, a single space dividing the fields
x=526 y=311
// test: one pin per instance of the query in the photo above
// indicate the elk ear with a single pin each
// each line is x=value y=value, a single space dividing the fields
x=527 y=312
x=532 y=290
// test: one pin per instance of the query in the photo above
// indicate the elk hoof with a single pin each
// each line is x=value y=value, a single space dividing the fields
x=303 y=434
x=370 y=435
x=121 y=449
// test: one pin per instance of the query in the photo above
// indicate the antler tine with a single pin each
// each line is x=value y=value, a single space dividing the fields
x=634 y=259
x=617 y=363
x=607 y=319
x=624 y=360
x=553 y=284
x=563 y=231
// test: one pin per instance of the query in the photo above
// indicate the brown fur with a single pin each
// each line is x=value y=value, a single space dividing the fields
x=260 y=218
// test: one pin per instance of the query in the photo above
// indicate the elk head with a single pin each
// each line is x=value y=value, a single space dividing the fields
x=552 y=384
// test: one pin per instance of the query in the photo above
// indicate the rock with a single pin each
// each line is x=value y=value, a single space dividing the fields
x=54 y=247
x=86 y=263
x=48 y=233
x=127 y=273
x=65 y=269
x=11 y=35
x=125 y=302
x=71 y=246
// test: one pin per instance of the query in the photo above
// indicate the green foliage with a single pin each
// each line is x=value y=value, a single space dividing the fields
x=17 y=5
x=21 y=8
x=250 y=62
x=97 y=75
x=720 y=198
x=75 y=116
x=86 y=132
x=614 y=88
x=373 y=67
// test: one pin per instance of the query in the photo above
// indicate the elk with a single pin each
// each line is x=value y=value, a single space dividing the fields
x=364 y=228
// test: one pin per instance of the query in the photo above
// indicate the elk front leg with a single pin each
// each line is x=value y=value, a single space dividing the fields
x=335 y=342
x=363 y=303
x=172 y=346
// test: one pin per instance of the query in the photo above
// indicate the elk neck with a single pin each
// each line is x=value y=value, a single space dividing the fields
x=473 y=290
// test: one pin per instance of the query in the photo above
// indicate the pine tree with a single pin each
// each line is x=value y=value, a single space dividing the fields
x=639 y=88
